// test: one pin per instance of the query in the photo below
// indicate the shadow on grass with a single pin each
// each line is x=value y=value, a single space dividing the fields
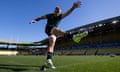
x=18 y=68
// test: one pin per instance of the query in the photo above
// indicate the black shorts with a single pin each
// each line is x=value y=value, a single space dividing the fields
x=48 y=30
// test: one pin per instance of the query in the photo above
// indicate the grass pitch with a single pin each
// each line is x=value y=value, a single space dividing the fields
x=63 y=64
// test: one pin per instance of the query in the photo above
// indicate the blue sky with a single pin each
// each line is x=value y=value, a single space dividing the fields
x=15 y=16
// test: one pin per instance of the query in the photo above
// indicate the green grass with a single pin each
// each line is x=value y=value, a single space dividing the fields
x=63 y=64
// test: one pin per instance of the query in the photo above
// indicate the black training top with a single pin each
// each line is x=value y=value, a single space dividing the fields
x=53 y=20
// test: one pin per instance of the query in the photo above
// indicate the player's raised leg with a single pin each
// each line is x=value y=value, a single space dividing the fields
x=76 y=37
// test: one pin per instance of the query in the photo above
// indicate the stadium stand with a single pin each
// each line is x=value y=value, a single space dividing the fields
x=21 y=48
x=103 y=39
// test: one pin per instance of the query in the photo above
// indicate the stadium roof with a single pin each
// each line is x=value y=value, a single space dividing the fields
x=95 y=23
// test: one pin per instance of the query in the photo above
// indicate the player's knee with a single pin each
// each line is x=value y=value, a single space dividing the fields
x=52 y=38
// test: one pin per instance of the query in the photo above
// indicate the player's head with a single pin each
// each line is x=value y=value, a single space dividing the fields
x=57 y=10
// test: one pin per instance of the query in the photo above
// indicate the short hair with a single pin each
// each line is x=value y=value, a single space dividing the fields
x=57 y=7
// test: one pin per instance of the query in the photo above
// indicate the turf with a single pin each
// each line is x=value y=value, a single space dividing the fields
x=63 y=64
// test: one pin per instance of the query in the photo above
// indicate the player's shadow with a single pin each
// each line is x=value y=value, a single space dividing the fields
x=17 y=68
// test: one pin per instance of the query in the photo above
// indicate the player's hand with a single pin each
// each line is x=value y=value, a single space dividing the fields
x=33 y=21
x=76 y=4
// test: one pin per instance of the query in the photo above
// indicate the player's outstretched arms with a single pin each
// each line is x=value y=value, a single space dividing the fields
x=37 y=19
x=75 y=5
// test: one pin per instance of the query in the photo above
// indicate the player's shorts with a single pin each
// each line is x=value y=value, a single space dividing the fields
x=49 y=30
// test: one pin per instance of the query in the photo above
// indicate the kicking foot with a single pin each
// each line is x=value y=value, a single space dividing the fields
x=79 y=36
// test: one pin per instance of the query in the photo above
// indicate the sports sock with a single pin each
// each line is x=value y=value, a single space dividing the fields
x=49 y=55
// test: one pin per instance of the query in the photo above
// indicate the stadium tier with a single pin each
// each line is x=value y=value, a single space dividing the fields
x=21 y=48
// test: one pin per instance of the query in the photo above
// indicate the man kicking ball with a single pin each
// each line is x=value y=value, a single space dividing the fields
x=52 y=31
